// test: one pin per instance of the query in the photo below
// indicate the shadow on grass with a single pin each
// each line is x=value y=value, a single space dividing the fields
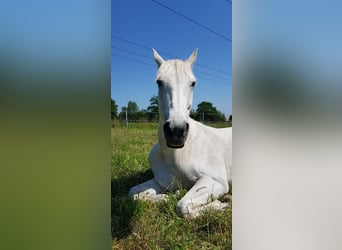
x=123 y=207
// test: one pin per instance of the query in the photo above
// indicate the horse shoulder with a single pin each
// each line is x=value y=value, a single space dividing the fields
x=219 y=146
x=228 y=150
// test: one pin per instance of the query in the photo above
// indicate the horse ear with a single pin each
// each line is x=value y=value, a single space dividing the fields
x=159 y=60
x=192 y=57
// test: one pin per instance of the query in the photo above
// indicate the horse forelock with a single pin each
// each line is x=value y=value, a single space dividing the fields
x=175 y=69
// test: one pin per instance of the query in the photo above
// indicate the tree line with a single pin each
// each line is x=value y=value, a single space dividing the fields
x=205 y=112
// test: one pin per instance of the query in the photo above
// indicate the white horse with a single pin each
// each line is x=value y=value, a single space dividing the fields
x=188 y=153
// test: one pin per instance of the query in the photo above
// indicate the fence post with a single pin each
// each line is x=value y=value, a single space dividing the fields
x=126 y=119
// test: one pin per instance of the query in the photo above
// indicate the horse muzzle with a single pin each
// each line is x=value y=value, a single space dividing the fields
x=175 y=135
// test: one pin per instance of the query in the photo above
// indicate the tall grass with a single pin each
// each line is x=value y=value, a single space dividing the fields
x=145 y=225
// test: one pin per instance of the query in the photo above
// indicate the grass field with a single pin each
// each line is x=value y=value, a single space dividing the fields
x=144 y=225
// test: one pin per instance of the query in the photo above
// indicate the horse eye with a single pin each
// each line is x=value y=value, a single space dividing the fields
x=193 y=84
x=160 y=83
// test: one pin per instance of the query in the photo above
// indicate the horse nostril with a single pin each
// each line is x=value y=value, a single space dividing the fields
x=177 y=131
x=167 y=128
x=187 y=127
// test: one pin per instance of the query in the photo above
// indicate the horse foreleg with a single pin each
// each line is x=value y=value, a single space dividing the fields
x=202 y=196
x=149 y=190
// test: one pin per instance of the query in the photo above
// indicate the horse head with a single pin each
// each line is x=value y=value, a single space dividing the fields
x=176 y=82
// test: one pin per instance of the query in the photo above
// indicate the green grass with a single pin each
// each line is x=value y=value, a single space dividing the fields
x=144 y=225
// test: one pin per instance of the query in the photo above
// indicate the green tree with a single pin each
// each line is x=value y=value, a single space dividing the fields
x=132 y=108
x=122 y=114
x=219 y=117
x=142 y=115
x=193 y=114
x=206 y=112
x=113 y=109
x=133 y=112
x=153 y=109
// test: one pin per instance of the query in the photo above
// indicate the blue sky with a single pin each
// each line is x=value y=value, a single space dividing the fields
x=139 y=25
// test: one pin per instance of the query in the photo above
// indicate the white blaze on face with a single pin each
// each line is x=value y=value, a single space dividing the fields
x=176 y=82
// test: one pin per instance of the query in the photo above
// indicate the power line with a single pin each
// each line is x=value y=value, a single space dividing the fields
x=210 y=79
x=133 y=60
x=166 y=53
x=217 y=70
x=133 y=43
x=229 y=1
x=148 y=57
x=130 y=52
x=140 y=45
x=193 y=21
x=206 y=74
x=152 y=65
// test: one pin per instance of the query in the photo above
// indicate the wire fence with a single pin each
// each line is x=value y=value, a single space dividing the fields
x=121 y=123
x=217 y=119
